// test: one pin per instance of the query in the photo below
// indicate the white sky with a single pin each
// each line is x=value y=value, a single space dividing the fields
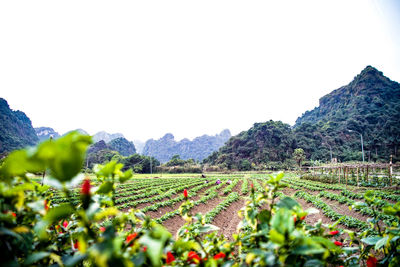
x=145 y=68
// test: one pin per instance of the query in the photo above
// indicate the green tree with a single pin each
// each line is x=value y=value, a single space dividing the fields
x=299 y=156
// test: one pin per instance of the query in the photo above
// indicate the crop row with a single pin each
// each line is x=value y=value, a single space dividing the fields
x=232 y=197
x=330 y=213
x=192 y=193
x=159 y=194
x=204 y=199
x=365 y=210
x=229 y=188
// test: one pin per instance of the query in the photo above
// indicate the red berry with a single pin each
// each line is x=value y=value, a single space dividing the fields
x=102 y=229
x=86 y=187
x=170 y=258
x=185 y=193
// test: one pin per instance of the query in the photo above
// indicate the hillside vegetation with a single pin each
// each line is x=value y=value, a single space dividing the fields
x=16 y=129
x=369 y=105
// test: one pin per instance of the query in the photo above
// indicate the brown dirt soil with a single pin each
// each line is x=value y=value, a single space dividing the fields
x=175 y=223
x=228 y=219
x=313 y=218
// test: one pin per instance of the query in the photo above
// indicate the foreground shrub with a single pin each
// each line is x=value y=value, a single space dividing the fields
x=93 y=232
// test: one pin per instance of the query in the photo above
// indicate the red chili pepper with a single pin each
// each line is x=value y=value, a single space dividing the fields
x=334 y=232
x=220 y=255
x=46 y=205
x=86 y=187
x=302 y=218
x=193 y=257
x=170 y=257
x=372 y=261
x=130 y=237
x=338 y=243
x=294 y=218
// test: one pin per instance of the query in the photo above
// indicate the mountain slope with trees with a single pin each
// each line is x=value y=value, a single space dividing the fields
x=199 y=148
x=369 y=105
x=16 y=129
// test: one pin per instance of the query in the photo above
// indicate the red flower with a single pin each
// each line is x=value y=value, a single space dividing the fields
x=46 y=205
x=193 y=257
x=337 y=243
x=102 y=229
x=76 y=245
x=130 y=237
x=14 y=214
x=334 y=232
x=220 y=255
x=86 y=187
x=170 y=258
x=372 y=261
x=65 y=224
x=185 y=193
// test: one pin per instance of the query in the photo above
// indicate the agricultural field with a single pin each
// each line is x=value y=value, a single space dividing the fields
x=160 y=196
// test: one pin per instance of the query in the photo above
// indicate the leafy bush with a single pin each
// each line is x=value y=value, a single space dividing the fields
x=35 y=231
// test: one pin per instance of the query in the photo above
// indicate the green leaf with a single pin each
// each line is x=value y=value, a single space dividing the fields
x=276 y=237
x=288 y=203
x=35 y=257
x=208 y=228
x=54 y=215
x=381 y=242
x=282 y=221
x=105 y=188
x=126 y=176
x=154 y=249
x=64 y=156
x=371 y=240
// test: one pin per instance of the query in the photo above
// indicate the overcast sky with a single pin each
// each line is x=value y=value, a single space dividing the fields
x=145 y=68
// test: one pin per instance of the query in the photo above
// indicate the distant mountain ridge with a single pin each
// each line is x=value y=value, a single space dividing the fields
x=16 y=129
x=44 y=133
x=106 y=137
x=166 y=147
